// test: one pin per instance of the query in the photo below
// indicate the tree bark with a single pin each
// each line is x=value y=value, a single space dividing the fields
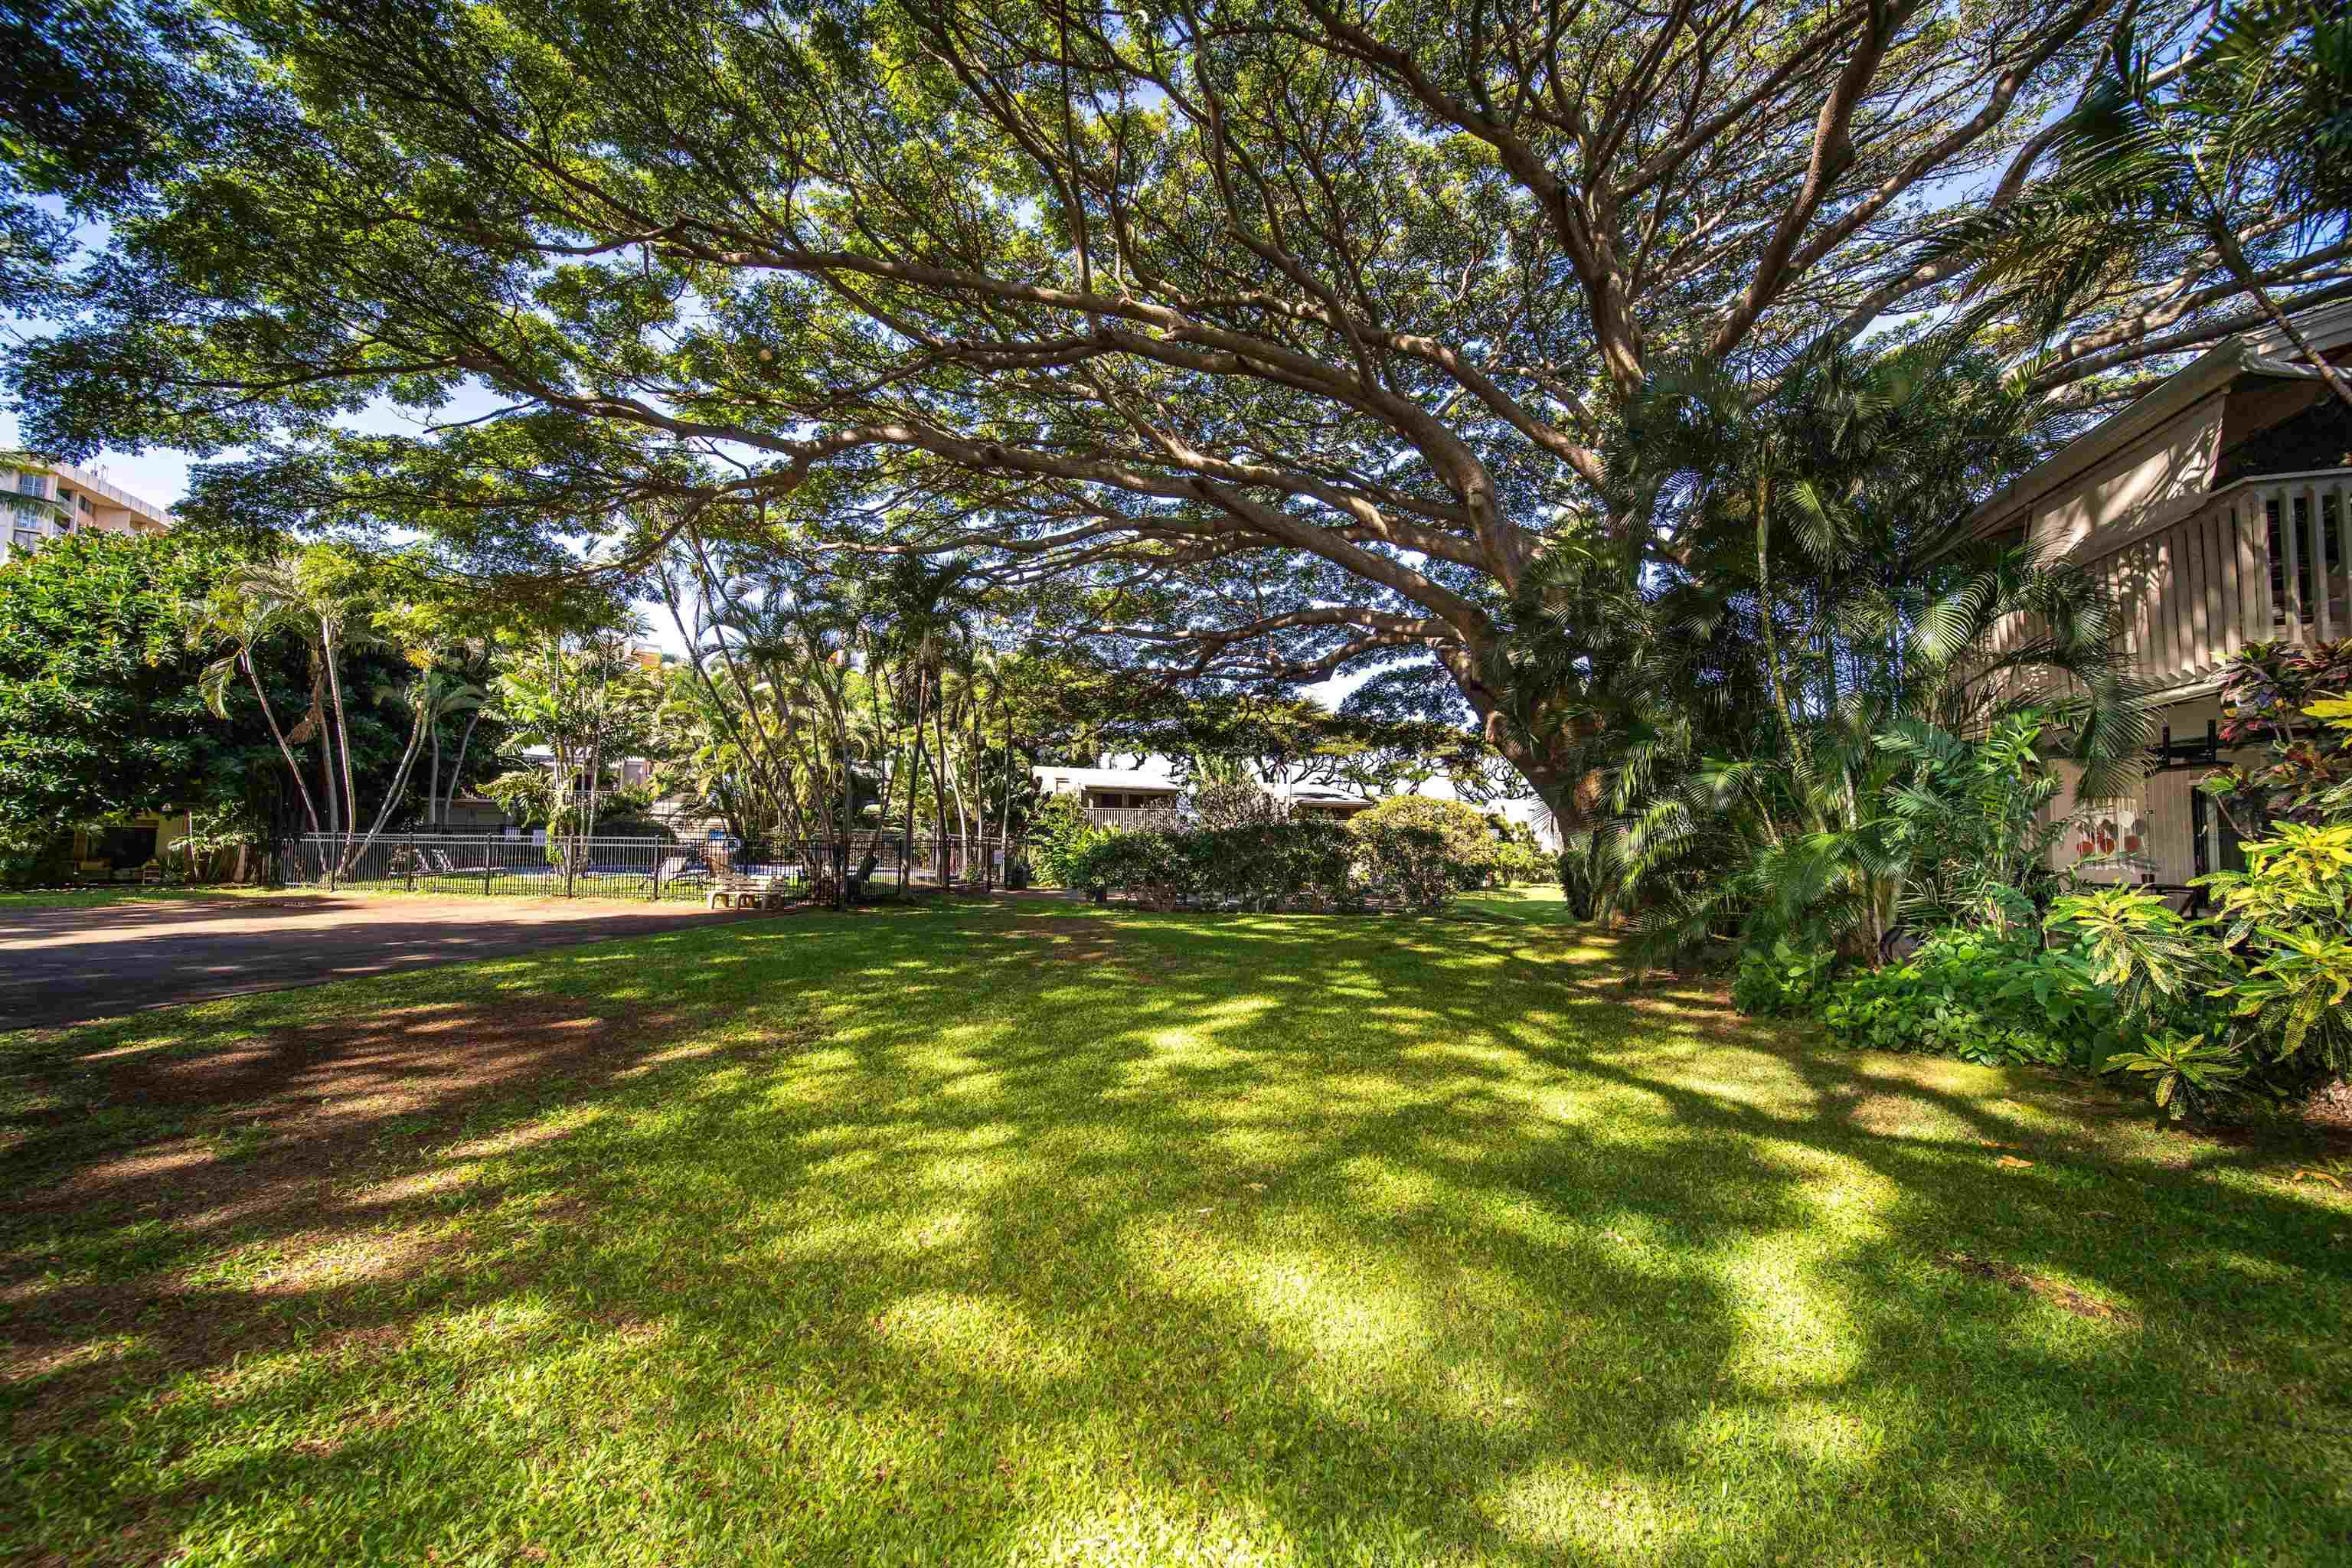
x=458 y=768
x=309 y=810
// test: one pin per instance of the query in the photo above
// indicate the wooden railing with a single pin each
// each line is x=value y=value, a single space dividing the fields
x=2265 y=559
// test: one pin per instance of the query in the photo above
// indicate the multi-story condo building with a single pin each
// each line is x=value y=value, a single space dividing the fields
x=2216 y=509
x=40 y=501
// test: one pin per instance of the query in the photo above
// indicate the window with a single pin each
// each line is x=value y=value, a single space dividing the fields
x=25 y=539
x=32 y=485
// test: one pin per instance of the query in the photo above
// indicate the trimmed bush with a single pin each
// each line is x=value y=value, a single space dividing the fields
x=1417 y=864
x=1470 y=845
x=1259 y=865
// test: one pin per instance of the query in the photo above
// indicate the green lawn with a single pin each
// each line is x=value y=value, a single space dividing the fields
x=1038 y=1235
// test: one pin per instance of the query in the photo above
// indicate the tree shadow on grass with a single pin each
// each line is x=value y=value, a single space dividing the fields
x=1271 y=1238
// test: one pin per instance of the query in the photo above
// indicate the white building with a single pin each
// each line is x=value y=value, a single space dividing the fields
x=1122 y=797
x=45 y=500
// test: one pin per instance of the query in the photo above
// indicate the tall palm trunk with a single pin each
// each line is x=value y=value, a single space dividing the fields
x=326 y=740
x=1766 y=614
x=342 y=738
x=939 y=781
x=1005 y=820
x=309 y=810
x=399 y=781
x=458 y=768
x=433 y=790
x=914 y=785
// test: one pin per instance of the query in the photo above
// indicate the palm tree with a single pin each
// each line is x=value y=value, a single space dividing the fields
x=1750 y=695
x=321 y=596
x=919 y=615
x=445 y=697
x=2245 y=124
x=244 y=624
x=316 y=595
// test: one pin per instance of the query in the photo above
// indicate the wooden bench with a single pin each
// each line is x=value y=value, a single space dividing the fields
x=734 y=891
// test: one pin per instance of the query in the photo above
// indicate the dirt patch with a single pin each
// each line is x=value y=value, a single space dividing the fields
x=2064 y=1298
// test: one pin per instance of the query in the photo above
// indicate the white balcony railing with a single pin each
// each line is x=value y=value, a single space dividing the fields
x=1132 y=816
x=2265 y=559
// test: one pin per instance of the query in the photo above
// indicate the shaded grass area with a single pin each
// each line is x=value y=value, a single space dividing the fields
x=1025 y=1232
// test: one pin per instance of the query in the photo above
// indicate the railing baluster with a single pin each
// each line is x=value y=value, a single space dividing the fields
x=2344 y=545
x=2290 y=571
x=2321 y=626
x=2254 y=568
x=2194 y=610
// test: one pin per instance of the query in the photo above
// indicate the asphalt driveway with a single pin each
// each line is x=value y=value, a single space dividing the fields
x=70 y=964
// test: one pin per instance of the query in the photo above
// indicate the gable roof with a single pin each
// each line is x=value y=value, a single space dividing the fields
x=2264 y=351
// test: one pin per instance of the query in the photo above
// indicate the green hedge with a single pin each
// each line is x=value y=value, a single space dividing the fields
x=1261 y=865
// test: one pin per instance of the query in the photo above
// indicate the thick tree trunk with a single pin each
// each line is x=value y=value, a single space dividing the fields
x=1552 y=772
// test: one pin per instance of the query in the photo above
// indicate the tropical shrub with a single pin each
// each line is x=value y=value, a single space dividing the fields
x=1468 y=839
x=1059 y=834
x=2284 y=927
x=1520 y=859
x=1256 y=865
x=1982 y=996
x=2252 y=998
x=1282 y=865
x=1157 y=863
x=2294 y=699
x=2189 y=1075
x=1418 y=865
x=1781 y=980
x=1234 y=799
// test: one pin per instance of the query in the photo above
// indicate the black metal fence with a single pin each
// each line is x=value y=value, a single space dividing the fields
x=492 y=865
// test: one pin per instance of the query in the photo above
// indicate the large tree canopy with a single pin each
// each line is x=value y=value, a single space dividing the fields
x=101 y=712
x=1294 y=329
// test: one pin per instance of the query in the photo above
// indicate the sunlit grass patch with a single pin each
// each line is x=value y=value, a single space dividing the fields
x=1024 y=1234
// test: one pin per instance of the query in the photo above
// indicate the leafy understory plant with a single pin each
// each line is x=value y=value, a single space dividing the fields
x=2291 y=911
x=2191 y=1074
x=2137 y=944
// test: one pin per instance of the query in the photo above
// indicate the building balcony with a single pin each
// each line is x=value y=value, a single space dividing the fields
x=1131 y=816
x=2266 y=559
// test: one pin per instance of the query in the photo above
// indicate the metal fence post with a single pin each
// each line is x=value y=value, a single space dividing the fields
x=486 y=842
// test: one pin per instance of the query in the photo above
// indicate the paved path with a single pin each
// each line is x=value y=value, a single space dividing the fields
x=64 y=965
